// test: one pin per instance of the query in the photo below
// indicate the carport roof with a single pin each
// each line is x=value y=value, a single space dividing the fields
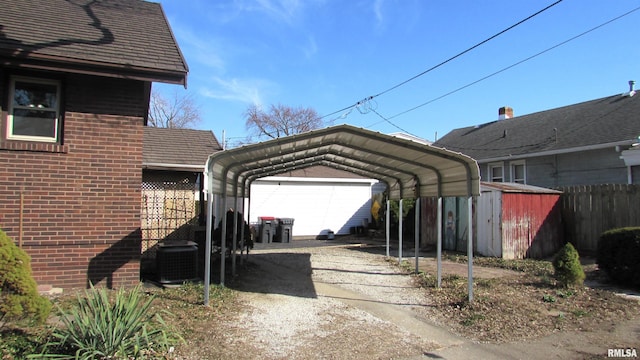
x=408 y=168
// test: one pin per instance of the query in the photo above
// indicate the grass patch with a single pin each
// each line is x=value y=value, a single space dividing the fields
x=529 y=266
x=472 y=319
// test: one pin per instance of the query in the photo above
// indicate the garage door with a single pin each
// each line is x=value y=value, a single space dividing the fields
x=318 y=206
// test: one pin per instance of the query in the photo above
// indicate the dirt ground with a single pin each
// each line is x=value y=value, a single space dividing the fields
x=345 y=300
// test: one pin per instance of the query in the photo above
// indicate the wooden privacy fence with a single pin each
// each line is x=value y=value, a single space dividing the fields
x=588 y=211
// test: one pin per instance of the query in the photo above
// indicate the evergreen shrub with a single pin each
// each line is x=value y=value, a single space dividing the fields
x=618 y=255
x=567 y=268
x=19 y=295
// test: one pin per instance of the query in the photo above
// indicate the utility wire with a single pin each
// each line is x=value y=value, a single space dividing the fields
x=513 y=65
x=446 y=61
x=392 y=124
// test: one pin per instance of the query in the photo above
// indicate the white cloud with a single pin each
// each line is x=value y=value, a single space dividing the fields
x=282 y=10
x=377 y=10
x=202 y=49
x=311 y=48
x=248 y=91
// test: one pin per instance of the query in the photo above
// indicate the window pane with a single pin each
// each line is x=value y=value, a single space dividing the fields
x=35 y=95
x=496 y=174
x=518 y=172
x=34 y=123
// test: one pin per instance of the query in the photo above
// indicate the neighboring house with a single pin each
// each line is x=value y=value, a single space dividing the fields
x=173 y=162
x=320 y=199
x=580 y=144
x=75 y=85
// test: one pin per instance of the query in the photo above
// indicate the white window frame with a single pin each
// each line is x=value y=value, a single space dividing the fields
x=492 y=166
x=512 y=166
x=11 y=107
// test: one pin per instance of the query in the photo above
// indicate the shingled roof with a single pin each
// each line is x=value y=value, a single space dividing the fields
x=120 y=38
x=177 y=149
x=609 y=121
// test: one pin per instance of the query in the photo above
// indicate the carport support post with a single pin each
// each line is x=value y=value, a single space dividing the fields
x=387 y=224
x=416 y=230
x=223 y=237
x=470 y=248
x=234 y=236
x=207 y=247
x=439 y=241
x=400 y=232
x=242 y=234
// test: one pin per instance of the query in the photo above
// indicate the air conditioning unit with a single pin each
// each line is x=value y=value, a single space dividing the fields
x=177 y=262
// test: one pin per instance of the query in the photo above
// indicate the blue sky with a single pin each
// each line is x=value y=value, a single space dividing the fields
x=330 y=54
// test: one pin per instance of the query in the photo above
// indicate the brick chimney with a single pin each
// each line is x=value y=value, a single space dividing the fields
x=505 y=112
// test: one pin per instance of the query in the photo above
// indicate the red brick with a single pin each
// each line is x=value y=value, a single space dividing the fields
x=74 y=191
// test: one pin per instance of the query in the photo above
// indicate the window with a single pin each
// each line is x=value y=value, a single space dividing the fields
x=496 y=172
x=34 y=110
x=518 y=172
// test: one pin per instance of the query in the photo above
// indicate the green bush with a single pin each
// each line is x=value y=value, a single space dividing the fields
x=567 y=268
x=95 y=328
x=18 y=290
x=618 y=255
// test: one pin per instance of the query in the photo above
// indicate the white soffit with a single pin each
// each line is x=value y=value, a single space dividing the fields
x=408 y=168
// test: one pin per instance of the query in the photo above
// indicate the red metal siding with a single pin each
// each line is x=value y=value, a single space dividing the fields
x=531 y=225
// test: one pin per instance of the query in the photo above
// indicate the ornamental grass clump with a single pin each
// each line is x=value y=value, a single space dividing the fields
x=568 y=270
x=96 y=328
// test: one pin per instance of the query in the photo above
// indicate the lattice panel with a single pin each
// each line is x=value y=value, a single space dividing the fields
x=169 y=209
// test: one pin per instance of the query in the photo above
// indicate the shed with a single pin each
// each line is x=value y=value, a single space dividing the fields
x=516 y=221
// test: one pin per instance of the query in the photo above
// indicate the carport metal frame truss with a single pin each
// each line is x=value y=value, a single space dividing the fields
x=408 y=168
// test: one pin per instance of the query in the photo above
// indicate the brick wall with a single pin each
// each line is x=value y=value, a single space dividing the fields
x=81 y=199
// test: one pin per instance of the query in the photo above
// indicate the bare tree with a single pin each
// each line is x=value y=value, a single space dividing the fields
x=281 y=121
x=177 y=111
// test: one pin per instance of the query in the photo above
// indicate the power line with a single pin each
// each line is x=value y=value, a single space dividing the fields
x=394 y=125
x=446 y=61
x=513 y=65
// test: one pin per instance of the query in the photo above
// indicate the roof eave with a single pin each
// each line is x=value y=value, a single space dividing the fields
x=88 y=67
x=173 y=167
x=558 y=151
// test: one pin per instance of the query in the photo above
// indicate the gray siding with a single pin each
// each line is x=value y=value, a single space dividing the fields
x=584 y=168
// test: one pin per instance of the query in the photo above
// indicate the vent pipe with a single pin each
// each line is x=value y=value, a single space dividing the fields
x=631 y=90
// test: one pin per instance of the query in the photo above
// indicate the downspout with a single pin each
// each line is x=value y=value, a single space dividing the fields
x=20 y=229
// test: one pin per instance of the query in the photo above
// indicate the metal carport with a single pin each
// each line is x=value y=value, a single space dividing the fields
x=409 y=169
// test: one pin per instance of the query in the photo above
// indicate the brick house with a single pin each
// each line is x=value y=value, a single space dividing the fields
x=75 y=82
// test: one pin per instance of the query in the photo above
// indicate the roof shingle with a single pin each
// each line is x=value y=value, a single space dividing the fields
x=130 y=35
x=613 y=119
x=164 y=147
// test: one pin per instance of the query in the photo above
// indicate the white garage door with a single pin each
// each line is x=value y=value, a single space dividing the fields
x=317 y=205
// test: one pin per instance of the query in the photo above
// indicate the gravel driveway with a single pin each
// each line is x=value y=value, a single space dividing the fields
x=335 y=300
